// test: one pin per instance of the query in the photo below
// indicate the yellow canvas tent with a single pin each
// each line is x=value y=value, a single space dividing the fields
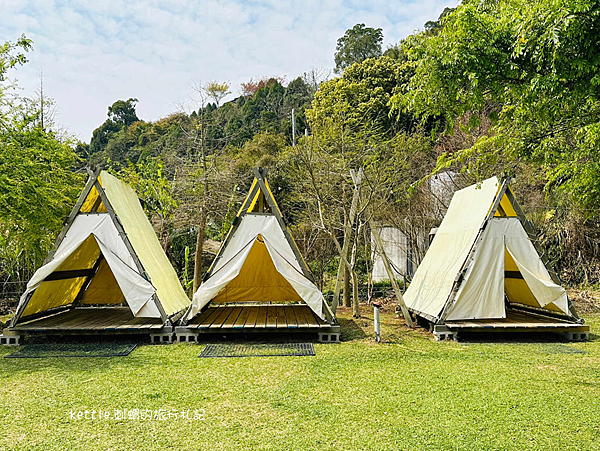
x=484 y=264
x=259 y=264
x=107 y=255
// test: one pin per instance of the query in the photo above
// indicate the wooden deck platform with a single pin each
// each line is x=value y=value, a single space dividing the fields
x=256 y=319
x=519 y=320
x=90 y=320
x=516 y=321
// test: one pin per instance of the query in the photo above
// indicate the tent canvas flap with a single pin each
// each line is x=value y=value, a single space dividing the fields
x=136 y=290
x=209 y=289
x=481 y=294
x=433 y=281
x=307 y=290
x=140 y=233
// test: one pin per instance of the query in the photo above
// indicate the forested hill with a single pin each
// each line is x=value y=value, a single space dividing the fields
x=488 y=88
x=265 y=106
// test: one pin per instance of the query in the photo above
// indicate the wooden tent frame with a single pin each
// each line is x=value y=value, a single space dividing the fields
x=265 y=199
x=529 y=229
x=92 y=182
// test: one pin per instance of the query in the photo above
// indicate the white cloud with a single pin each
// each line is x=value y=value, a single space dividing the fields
x=95 y=52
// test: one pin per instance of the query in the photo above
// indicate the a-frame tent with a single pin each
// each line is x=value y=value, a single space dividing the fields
x=107 y=268
x=259 y=264
x=485 y=268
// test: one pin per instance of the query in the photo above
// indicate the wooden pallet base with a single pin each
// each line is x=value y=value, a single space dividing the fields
x=324 y=335
x=515 y=322
x=92 y=321
x=269 y=319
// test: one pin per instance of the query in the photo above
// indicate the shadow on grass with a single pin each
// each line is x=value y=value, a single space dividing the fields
x=351 y=330
x=518 y=337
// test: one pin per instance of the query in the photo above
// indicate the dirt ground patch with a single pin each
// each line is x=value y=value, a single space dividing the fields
x=585 y=301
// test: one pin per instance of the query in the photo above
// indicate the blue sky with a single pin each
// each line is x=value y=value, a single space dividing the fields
x=93 y=52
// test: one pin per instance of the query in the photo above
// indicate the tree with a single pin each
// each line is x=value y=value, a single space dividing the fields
x=357 y=44
x=13 y=54
x=532 y=68
x=217 y=91
x=121 y=115
x=37 y=182
x=362 y=94
x=435 y=26
x=123 y=112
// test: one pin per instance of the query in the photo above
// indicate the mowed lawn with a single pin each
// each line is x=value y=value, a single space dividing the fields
x=409 y=392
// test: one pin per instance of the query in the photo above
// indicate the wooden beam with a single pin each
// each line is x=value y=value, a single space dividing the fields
x=46 y=313
x=70 y=274
x=88 y=281
x=96 y=205
x=390 y=273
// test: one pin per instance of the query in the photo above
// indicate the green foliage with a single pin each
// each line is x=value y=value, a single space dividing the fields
x=12 y=54
x=357 y=44
x=121 y=115
x=360 y=97
x=533 y=68
x=37 y=184
x=148 y=179
x=37 y=189
x=262 y=150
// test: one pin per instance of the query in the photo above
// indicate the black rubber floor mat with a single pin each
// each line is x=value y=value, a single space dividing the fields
x=47 y=350
x=258 y=350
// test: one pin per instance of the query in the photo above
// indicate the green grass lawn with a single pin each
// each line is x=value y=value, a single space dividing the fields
x=409 y=392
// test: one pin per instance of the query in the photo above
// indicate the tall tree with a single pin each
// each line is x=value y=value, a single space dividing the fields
x=121 y=115
x=533 y=69
x=357 y=44
x=37 y=182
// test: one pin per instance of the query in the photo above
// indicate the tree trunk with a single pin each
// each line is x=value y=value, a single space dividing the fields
x=348 y=226
x=346 y=287
x=355 y=302
x=390 y=273
x=199 y=246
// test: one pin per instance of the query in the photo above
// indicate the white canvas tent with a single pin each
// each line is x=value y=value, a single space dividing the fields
x=106 y=255
x=483 y=260
x=259 y=261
